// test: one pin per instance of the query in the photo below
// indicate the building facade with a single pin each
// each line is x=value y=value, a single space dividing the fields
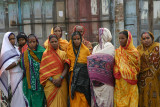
x=39 y=16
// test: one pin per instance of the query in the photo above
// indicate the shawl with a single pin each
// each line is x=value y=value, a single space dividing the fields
x=127 y=62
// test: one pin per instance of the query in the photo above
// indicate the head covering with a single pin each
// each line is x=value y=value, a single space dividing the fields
x=8 y=51
x=9 y=54
x=127 y=62
x=105 y=45
x=21 y=35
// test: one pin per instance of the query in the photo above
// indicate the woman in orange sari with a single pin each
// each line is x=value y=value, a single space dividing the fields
x=79 y=85
x=57 y=30
x=149 y=76
x=53 y=69
x=126 y=68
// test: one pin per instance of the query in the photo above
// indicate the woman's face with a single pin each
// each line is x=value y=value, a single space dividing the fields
x=76 y=40
x=58 y=32
x=12 y=39
x=54 y=43
x=21 y=42
x=146 y=40
x=122 y=40
x=32 y=42
x=80 y=29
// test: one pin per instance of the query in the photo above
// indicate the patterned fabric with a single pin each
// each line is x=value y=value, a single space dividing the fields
x=149 y=76
x=52 y=65
x=126 y=68
x=24 y=48
x=100 y=68
x=33 y=90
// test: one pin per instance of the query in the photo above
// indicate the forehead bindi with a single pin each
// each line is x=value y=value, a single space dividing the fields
x=76 y=37
x=32 y=39
x=145 y=35
x=53 y=39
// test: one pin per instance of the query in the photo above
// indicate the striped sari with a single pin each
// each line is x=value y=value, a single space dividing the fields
x=52 y=65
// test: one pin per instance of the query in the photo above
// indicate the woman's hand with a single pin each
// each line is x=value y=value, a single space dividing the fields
x=57 y=82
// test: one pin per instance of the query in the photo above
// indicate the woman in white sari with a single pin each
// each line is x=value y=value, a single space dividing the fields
x=100 y=69
x=9 y=65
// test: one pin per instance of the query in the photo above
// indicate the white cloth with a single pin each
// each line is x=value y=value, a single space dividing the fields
x=10 y=54
x=104 y=94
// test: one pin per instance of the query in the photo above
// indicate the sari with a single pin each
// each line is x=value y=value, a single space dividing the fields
x=33 y=90
x=79 y=95
x=126 y=68
x=52 y=65
x=62 y=43
x=149 y=76
x=9 y=55
x=100 y=68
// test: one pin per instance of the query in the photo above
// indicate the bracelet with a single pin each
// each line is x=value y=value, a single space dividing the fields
x=50 y=78
x=61 y=77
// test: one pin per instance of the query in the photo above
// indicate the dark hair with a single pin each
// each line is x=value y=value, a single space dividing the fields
x=21 y=35
x=52 y=36
x=125 y=33
x=77 y=33
x=148 y=34
x=32 y=35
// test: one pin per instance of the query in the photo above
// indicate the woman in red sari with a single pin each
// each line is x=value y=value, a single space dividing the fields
x=53 y=69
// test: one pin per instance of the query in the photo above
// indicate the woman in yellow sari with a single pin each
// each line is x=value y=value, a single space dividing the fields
x=149 y=76
x=53 y=69
x=57 y=30
x=126 y=68
x=79 y=85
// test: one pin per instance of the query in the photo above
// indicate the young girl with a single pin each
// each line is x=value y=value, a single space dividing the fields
x=53 y=69
x=9 y=63
x=79 y=86
x=57 y=30
x=126 y=68
x=30 y=63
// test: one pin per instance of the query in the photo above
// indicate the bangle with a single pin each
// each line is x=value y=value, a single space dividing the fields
x=50 y=78
x=61 y=77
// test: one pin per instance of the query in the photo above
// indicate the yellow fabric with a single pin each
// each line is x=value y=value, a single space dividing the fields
x=79 y=98
x=60 y=99
x=148 y=79
x=125 y=95
x=82 y=58
x=127 y=62
x=126 y=68
x=62 y=44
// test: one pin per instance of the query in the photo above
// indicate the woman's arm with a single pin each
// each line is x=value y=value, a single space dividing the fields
x=13 y=64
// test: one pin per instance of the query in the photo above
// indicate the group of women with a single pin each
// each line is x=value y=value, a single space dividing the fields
x=63 y=73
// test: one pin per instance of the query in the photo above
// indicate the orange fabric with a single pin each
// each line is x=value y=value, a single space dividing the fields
x=24 y=48
x=51 y=64
x=82 y=58
x=127 y=62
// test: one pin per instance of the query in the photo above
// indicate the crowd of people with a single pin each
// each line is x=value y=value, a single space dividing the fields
x=74 y=74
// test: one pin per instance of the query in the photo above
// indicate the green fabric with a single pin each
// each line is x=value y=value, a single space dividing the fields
x=34 y=96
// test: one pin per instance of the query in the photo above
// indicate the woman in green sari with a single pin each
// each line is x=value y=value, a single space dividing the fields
x=30 y=62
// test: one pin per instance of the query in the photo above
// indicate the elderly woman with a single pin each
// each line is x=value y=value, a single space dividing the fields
x=100 y=69
x=148 y=79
